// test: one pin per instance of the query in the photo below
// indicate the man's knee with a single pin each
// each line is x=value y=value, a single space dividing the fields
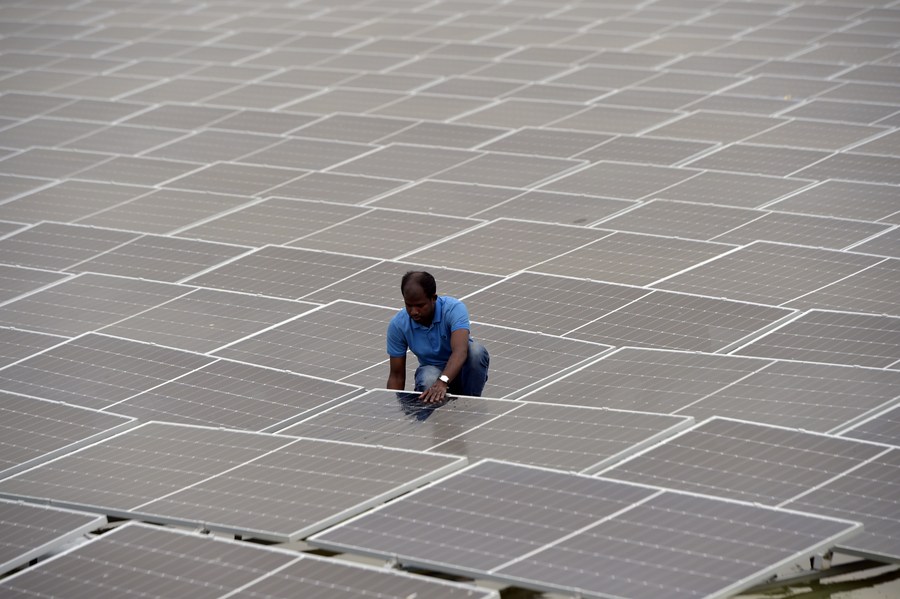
x=478 y=354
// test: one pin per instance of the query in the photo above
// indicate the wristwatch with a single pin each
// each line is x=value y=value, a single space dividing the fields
x=444 y=378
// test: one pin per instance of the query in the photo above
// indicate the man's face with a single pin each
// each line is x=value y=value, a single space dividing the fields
x=419 y=306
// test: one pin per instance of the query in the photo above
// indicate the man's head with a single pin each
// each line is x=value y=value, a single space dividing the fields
x=420 y=295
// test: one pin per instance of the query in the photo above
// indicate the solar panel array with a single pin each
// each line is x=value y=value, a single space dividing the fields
x=675 y=224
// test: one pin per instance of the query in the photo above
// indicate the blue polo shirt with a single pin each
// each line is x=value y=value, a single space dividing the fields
x=431 y=344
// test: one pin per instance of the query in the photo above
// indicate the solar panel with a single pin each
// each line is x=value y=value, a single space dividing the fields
x=631 y=259
x=385 y=233
x=31 y=531
x=554 y=436
x=234 y=395
x=336 y=187
x=16 y=345
x=555 y=531
x=680 y=219
x=206 y=319
x=299 y=489
x=68 y=201
x=15 y=281
x=883 y=427
x=769 y=273
x=884 y=244
x=746 y=461
x=442 y=197
x=140 y=465
x=282 y=272
x=872 y=202
x=35 y=430
x=619 y=179
x=399 y=161
x=673 y=321
x=512 y=246
x=85 y=303
x=180 y=563
x=814 y=397
x=867 y=494
x=549 y=207
x=802 y=230
x=380 y=284
x=548 y=304
x=643 y=379
x=54 y=246
x=160 y=258
x=833 y=337
x=164 y=211
x=333 y=341
x=172 y=564
x=275 y=220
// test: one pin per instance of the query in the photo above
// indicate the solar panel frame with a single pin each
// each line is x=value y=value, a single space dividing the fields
x=84 y=303
x=97 y=370
x=822 y=336
x=493 y=515
x=332 y=480
x=741 y=461
x=31 y=531
x=235 y=395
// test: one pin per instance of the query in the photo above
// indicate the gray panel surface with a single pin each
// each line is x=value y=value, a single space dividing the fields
x=95 y=371
x=736 y=544
x=565 y=437
x=497 y=511
x=56 y=246
x=833 y=337
x=333 y=342
x=16 y=345
x=272 y=221
x=301 y=488
x=35 y=430
x=548 y=304
x=159 y=258
x=85 y=303
x=233 y=395
x=681 y=219
x=282 y=272
x=385 y=233
x=140 y=465
x=883 y=427
x=559 y=529
x=173 y=564
x=674 y=321
x=631 y=258
x=768 y=273
x=180 y=563
x=69 y=200
x=30 y=531
x=15 y=280
x=867 y=494
x=380 y=284
x=813 y=397
x=646 y=380
x=206 y=319
x=745 y=461
x=442 y=197
x=512 y=246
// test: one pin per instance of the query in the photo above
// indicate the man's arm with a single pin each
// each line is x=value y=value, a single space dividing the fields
x=397 y=376
x=459 y=351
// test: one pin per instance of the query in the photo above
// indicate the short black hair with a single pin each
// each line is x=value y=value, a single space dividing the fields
x=420 y=278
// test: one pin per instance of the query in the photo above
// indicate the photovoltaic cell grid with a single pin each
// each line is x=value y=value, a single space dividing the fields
x=564 y=437
x=179 y=563
x=781 y=467
x=265 y=486
x=31 y=531
x=674 y=219
x=559 y=531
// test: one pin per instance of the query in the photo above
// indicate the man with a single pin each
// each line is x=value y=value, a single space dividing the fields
x=436 y=330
